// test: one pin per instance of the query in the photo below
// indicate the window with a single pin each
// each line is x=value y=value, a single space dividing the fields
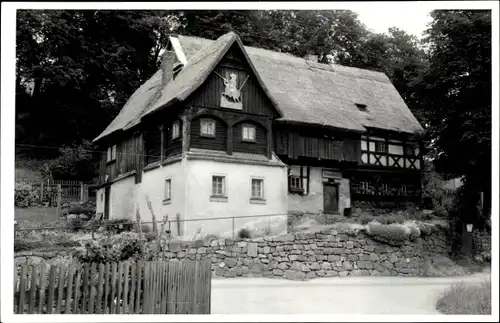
x=385 y=188
x=380 y=147
x=168 y=190
x=218 y=185
x=176 y=130
x=257 y=188
x=248 y=133
x=411 y=150
x=111 y=154
x=207 y=128
x=295 y=184
x=364 y=187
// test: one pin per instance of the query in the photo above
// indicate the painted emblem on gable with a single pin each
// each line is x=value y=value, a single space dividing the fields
x=231 y=97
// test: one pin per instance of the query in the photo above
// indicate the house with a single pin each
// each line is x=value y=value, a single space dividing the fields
x=225 y=130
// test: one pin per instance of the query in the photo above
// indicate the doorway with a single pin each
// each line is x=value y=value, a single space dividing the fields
x=330 y=198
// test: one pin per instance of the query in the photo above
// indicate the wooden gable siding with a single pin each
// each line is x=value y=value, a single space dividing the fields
x=230 y=130
x=152 y=143
x=129 y=156
x=254 y=100
x=219 y=142
x=172 y=147
x=294 y=144
x=259 y=146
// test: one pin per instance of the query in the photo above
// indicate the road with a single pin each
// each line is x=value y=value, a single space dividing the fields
x=348 y=295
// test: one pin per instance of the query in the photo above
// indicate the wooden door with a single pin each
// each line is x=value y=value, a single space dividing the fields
x=330 y=198
x=107 y=194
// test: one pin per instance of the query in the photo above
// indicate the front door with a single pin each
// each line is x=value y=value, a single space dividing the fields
x=107 y=192
x=331 y=198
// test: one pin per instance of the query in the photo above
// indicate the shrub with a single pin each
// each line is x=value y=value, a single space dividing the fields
x=425 y=229
x=25 y=195
x=119 y=226
x=244 y=233
x=366 y=218
x=76 y=224
x=150 y=236
x=211 y=237
x=121 y=247
x=25 y=245
x=80 y=209
x=463 y=299
x=393 y=234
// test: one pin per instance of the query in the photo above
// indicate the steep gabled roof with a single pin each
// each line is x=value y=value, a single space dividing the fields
x=325 y=94
x=301 y=91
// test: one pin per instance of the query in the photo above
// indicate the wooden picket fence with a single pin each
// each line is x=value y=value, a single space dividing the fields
x=158 y=287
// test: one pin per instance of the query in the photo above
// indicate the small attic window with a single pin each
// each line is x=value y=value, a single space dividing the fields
x=361 y=107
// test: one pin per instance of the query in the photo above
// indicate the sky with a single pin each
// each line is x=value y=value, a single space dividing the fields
x=412 y=19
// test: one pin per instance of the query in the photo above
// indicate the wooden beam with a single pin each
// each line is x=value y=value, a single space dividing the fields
x=186 y=130
x=162 y=143
x=229 y=140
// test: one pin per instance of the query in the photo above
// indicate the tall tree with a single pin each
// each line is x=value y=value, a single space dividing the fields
x=455 y=94
x=80 y=67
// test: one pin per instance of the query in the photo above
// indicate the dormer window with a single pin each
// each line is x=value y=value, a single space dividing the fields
x=248 y=133
x=207 y=128
x=361 y=107
x=176 y=130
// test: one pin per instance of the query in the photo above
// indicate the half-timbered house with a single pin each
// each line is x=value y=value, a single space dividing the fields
x=225 y=130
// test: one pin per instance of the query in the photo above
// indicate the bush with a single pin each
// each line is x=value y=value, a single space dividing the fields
x=393 y=234
x=244 y=233
x=425 y=229
x=119 y=226
x=121 y=247
x=80 y=209
x=76 y=224
x=25 y=195
x=463 y=299
x=25 y=245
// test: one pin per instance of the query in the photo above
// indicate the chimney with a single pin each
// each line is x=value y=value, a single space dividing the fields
x=311 y=58
x=167 y=67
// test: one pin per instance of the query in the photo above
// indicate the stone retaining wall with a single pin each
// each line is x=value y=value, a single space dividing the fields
x=301 y=256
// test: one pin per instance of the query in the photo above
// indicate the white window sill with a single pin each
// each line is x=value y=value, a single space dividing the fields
x=255 y=200
x=222 y=199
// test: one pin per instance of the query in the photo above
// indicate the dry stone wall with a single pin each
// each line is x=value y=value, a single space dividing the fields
x=301 y=256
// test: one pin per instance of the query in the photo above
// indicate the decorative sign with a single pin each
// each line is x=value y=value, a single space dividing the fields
x=327 y=173
x=231 y=97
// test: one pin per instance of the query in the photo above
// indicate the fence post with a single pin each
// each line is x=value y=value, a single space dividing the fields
x=59 y=201
x=41 y=192
x=81 y=192
x=233 y=227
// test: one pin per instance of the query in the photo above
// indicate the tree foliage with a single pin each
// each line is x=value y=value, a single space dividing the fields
x=455 y=95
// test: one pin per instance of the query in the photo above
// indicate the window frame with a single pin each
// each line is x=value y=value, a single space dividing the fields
x=248 y=126
x=167 y=198
x=111 y=154
x=384 y=145
x=176 y=130
x=223 y=186
x=209 y=121
x=295 y=189
x=261 y=188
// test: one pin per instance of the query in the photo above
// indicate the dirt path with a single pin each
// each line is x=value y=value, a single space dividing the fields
x=349 y=295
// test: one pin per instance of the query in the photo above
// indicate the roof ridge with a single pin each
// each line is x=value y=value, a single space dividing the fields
x=254 y=51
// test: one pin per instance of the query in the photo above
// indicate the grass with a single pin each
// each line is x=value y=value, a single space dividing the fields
x=466 y=299
x=37 y=217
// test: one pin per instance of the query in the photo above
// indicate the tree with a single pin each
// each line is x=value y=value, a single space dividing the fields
x=455 y=95
x=80 y=67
